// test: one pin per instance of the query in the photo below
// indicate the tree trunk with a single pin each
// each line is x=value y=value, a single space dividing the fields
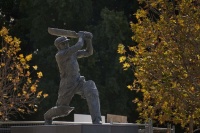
x=191 y=125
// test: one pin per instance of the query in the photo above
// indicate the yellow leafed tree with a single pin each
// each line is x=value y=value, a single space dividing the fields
x=18 y=80
x=166 y=61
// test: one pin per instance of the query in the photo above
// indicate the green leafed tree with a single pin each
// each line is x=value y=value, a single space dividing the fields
x=166 y=60
x=103 y=66
x=18 y=80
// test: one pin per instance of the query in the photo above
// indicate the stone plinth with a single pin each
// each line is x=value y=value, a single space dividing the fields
x=76 y=128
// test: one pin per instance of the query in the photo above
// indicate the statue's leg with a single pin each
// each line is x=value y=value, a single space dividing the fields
x=58 y=111
x=92 y=96
x=62 y=107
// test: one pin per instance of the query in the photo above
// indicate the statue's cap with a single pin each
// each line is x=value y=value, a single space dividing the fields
x=60 y=40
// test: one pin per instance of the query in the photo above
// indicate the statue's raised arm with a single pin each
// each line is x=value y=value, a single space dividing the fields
x=89 y=48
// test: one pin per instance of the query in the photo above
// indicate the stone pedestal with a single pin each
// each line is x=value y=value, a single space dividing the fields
x=77 y=128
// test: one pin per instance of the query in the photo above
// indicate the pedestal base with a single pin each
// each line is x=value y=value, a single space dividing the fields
x=79 y=128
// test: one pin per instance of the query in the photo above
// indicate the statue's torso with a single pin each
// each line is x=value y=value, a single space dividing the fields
x=68 y=67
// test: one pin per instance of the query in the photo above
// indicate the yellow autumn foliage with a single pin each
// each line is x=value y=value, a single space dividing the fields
x=166 y=61
x=18 y=81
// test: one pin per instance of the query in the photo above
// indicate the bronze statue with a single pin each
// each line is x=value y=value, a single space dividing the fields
x=71 y=81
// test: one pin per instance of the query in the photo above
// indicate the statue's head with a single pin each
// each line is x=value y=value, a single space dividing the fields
x=61 y=42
